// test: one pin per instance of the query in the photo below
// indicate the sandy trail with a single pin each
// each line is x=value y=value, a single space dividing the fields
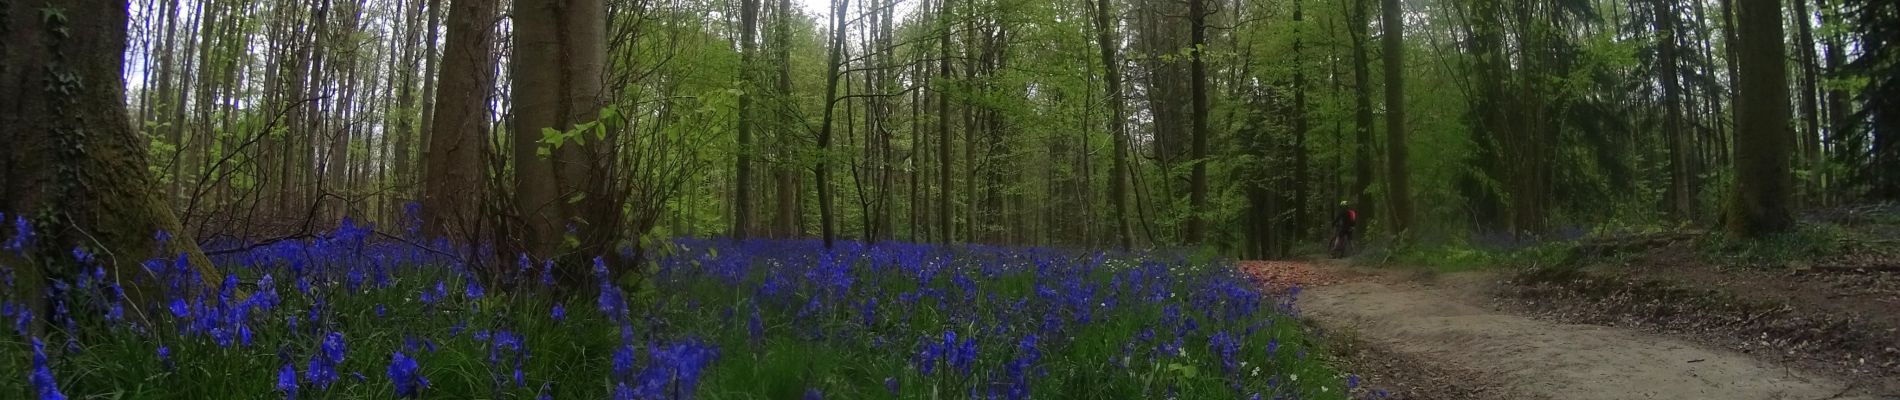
x=1446 y=319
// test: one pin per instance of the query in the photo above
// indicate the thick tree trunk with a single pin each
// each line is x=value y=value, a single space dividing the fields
x=452 y=187
x=1764 y=187
x=73 y=164
x=559 y=59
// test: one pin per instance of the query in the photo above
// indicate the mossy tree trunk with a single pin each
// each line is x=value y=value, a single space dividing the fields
x=73 y=164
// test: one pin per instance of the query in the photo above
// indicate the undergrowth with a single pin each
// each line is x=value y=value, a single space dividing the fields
x=345 y=316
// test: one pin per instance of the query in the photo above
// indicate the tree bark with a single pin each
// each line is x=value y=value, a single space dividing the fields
x=452 y=187
x=1397 y=180
x=946 y=207
x=1108 y=42
x=1763 y=184
x=742 y=197
x=74 y=165
x=788 y=216
x=1362 y=96
x=822 y=171
x=557 y=81
x=1197 y=80
x=1810 y=136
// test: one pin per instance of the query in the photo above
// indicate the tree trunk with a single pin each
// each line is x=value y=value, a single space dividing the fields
x=1108 y=42
x=1810 y=136
x=1197 y=80
x=1362 y=96
x=452 y=187
x=1681 y=183
x=742 y=197
x=946 y=207
x=1300 y=127
x=74 y=166
x=557 y=82
x=822 y=171
x=1763 y=185
x=788 y=213
x=1397 y=181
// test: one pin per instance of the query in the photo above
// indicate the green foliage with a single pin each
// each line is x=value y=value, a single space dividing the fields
x=1807 y=244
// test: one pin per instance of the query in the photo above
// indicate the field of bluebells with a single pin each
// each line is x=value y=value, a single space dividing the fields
x=345 y=316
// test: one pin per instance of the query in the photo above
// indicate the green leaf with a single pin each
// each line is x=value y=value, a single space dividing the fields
x=552 y=137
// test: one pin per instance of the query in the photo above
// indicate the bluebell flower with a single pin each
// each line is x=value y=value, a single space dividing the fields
x=623 y=392
x=179 y=308
x=42 y=376
x=891 y=385
x=559 y=313
x=406 y=375
x=814 y=394
x=287 y=381
x=473 y=291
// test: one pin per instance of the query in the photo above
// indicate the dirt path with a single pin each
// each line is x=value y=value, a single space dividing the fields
x=1447 y=319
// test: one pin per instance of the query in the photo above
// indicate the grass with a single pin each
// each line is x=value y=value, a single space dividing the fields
x=711 y=319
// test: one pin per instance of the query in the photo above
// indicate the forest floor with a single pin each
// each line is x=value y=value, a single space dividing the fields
x=1493 y=334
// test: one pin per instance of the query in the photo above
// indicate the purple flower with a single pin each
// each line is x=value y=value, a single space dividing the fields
x=407 y=376
x=42 y=376
x=287 y=381
x=559 y=314
x=814 y=394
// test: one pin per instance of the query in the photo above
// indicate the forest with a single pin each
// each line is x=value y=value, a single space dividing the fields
x=1002 y=164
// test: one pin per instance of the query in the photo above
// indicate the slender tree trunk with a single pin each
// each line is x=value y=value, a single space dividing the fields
x=1810 y=136
x=1108 y=42
x=742 y=197
x=1362 y=95
x=1764 y=187
x=1301 y=201
x=788 y=213
x=1682 y=191
x=946 y=207
x=822 y=172
x=1398 y=182
x=1197 y=80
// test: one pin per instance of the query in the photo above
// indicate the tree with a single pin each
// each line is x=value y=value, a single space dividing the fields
x=562 y=190
x=1108 y=42
x=742 y=196
x=946 y=210
x=1397 y=181
x=1764 y=188
x=74 y=167
x=822 y=172
x=1197 y=78
x=1362 y=96
x=453 y=164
